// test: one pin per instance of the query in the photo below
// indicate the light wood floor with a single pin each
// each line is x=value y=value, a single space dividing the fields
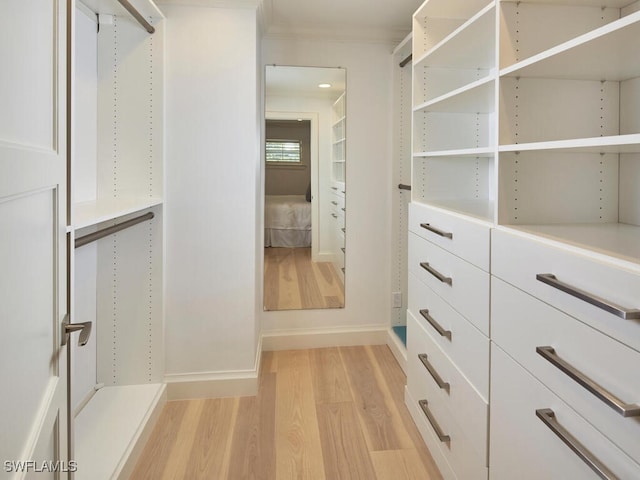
x=325 y=414
x=292 y=281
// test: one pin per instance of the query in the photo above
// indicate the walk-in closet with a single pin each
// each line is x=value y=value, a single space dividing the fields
x=116 y=192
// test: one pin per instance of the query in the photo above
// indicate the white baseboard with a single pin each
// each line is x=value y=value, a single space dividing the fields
x=241 y=383
x=321 y=338
x=398 y=349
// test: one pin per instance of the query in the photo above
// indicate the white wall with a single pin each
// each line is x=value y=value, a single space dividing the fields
x=368 y=200
x=212 y=180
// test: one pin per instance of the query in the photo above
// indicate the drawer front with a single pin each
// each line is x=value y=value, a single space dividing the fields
x=462 y=285
x=465 y=345
x=519 y=260
x=524 y=447
x=337 y=202
x=462 y=236
x=521 y=324
x=432 y=372
x=455 y=447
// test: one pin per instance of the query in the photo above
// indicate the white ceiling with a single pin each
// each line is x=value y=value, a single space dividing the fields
x=304 y=81
x=361 y=20
x=374 y=20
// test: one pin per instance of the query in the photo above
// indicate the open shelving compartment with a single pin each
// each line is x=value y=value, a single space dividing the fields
x=116 y=175
x=454 y=104
x=569 y=135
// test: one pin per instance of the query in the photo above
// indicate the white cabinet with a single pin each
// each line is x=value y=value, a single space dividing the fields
x=525 y=166
x=116 y=180
x=337 y=205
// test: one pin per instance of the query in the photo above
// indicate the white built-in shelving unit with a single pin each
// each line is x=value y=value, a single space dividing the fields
x=525 y=164
x=401 y=195
x=337 y=194
x=116 y=175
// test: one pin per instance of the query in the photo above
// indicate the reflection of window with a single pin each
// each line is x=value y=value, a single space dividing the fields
x=283 y=151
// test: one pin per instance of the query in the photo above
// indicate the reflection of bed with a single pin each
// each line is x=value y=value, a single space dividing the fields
x=287 y=221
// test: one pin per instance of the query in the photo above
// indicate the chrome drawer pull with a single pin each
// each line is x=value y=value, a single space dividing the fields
x=424 y=405
x=437 y=231
x=334 y=215
x=434 y=324
x=432 y=371
x=626 y=314
x=334 y=203
x=437 y=274
x=624 y=409
x=549 y=418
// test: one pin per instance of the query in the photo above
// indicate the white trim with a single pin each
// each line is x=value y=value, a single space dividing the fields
x=231 y=383
x=321 y=338
x=398 y=349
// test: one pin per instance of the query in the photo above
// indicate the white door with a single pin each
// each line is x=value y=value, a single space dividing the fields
x=33 y=239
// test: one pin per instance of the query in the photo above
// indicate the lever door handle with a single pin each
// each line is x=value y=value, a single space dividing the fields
x=68 y=328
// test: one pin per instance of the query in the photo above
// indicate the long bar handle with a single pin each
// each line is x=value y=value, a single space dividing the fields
x=548 y=417
x=424 y=405
x=624 y=409
x=432 y=371
x=437 y=274
x=432 y=321
x=136 y=14
x=625 y=313
x=402 y=186
x=334 y=215
x=437 y=231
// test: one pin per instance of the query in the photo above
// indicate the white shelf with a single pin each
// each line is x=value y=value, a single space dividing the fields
x=469 y=46
x=602 y=54
x=476 y=97
x=481 y=209
x=611 y=144
x=467 y=152
x=616 y=240
x=583 y=3
x=448 y=9
x=342 y=140
x=339 y=121
x=86 y=214
x=147 y=8
x=109 y=426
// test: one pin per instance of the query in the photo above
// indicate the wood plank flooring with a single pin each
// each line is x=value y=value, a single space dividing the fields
x=322 y=414
x=292 y=281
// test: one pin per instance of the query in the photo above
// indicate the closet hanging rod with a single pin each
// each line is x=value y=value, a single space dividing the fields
x=92 y=237
x=402 y=186
x=136 y=14
x=406 y=60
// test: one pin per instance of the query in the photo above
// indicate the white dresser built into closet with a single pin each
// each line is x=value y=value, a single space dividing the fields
x=116 y=179
x=524 y=249
x=337 y=191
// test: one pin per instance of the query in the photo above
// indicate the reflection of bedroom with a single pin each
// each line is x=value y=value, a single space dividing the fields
x=292 y=279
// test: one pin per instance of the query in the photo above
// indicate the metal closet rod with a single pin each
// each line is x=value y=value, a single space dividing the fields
x=406 y=60
x=92 y=237
x=136 y=14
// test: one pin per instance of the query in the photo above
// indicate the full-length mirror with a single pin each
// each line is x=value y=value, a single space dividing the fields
x=305 y=188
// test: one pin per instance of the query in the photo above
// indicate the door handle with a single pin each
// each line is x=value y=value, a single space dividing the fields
x=68 y=328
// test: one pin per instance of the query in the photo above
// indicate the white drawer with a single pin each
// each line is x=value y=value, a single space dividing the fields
x=462 y=285
x=524 y=447
x=431 y=372
x=337 y=202
x=338 y=188
x=455 y=449
x=467 y=347
x=518 y=260
x=521 y=324
x=462 y=236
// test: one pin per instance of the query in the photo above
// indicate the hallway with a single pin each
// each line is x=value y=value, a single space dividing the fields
x=331 y=413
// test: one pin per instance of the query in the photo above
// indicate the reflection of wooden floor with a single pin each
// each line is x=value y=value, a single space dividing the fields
x=292 y=281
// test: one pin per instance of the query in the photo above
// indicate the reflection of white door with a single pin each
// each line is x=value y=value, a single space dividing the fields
x=33 y=241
